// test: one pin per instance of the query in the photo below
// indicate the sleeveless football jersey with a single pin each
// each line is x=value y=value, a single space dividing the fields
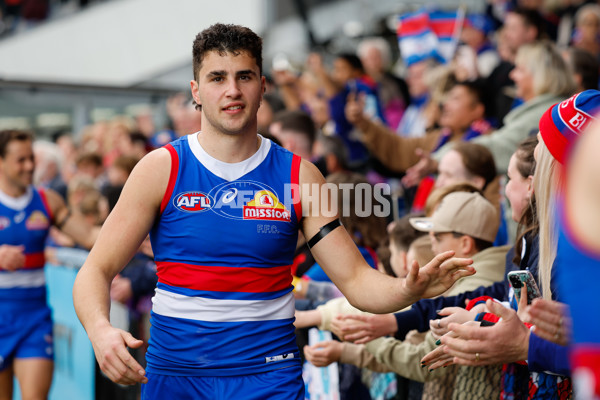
x=578 y=274
x=25 y=221
x=224 y=244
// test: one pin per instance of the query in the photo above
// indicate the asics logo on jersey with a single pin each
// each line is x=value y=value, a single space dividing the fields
x=192 y=202
x=229 y=196
x=19 y=217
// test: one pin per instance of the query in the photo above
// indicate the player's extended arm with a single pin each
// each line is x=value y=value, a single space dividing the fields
x=366 y=288
x=120 y=237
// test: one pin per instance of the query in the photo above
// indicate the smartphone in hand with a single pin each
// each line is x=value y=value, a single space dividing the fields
x=518 y=279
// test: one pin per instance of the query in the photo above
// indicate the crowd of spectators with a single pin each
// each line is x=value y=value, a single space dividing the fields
x=455 y=141
x=472 y=120
x=18 y=15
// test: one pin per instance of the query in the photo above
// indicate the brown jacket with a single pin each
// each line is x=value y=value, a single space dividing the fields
x=395 y=152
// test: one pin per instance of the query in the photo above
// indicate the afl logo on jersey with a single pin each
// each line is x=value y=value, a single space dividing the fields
x=192 y=202
x=4 y=223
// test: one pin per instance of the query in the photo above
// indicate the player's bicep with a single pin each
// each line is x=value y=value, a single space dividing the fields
x=334 y=250
x=339 y=257
x=318 y=208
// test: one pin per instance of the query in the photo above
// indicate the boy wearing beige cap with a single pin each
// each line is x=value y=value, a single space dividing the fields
x=466 y=223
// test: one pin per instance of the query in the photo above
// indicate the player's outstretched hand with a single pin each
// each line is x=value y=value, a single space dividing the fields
x=110 y=346
x=437 y=276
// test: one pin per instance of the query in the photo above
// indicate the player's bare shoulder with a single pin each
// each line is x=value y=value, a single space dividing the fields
x=157 y=163
x=150 y=177
x=310 y=174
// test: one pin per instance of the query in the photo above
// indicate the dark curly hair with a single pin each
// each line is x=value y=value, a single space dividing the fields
x=10 y=135
x=226 y=38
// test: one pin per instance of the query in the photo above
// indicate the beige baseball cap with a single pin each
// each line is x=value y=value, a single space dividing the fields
x=467 y=213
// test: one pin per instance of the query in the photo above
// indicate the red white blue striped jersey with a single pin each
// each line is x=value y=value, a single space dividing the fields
x=224 y=244
x=25 y=221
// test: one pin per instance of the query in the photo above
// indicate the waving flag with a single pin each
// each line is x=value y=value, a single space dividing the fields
x=429 y=34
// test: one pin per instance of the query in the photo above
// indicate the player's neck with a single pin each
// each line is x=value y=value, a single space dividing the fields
x=11 y=190
x=229 y=148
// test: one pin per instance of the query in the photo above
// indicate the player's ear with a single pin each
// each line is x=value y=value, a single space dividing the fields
x=194 y=90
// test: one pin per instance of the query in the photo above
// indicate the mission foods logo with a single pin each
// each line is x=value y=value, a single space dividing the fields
x=266 y=206
x=192 y=202
x=37 y=221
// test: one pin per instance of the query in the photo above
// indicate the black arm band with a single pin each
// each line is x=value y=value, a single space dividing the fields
x=62 y=223
x=323 y=231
